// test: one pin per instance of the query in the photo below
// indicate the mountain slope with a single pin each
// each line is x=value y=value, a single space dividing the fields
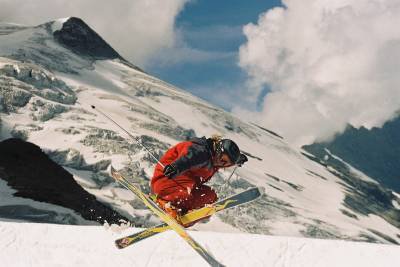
x=45 y=97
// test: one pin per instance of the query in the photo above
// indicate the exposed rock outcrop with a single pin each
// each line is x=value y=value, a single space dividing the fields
x=30 y=171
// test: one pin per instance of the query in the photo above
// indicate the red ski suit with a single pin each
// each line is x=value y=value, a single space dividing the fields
x=186 y=190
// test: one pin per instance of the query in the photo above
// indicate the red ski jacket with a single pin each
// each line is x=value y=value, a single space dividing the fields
x=190 y=158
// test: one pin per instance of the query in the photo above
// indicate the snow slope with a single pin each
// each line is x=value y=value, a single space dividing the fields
x=45 y=97
x=29 y=244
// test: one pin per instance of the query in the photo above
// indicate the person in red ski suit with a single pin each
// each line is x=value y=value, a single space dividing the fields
x=179 y=186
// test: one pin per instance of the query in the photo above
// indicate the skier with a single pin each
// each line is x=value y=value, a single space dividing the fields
x=179 y=186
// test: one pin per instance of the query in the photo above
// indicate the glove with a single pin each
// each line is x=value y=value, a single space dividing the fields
x=242 y=159
x=170 y=171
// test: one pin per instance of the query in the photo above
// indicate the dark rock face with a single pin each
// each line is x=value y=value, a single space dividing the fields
x=80 y=38
x=29 y=171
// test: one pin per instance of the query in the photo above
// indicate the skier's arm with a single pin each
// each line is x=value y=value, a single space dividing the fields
x=196 y=156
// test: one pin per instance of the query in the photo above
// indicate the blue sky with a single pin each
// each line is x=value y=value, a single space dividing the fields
x=213 y=30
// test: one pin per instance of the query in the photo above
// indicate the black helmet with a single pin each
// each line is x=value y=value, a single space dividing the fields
x=230 y=148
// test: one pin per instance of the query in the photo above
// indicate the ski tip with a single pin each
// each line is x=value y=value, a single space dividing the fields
x=261 y=190
x=257 y=190
x=118 y=244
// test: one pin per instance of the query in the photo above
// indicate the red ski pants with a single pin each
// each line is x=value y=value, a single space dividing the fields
x=183 y=193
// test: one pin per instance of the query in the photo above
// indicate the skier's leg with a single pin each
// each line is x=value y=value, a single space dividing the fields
x=173 y=190
x=170 y=193
x=200 y=196
x=180 y=195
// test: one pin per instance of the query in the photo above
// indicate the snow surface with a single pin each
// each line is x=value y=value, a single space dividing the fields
x=359 y=173
x=58 y=24
x=29 y=244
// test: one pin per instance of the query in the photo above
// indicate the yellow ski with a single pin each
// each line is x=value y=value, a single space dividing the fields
x=174 y=225
x=193 y=216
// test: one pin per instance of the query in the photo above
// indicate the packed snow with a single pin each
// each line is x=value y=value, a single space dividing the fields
x=47 y=245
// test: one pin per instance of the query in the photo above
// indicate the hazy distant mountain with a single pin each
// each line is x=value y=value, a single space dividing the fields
x=374 y=152
x=51 y=74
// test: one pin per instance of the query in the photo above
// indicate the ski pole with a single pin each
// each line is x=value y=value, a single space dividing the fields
x=131 y=136
x=230 y=176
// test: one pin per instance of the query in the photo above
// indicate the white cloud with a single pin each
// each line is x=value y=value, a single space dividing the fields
x=223 y=94
x=137 y=29
x=328 y=62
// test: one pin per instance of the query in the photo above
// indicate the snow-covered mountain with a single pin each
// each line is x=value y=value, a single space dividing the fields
x=51 y=74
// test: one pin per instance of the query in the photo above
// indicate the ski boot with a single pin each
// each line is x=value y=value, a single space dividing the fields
x=168 y=208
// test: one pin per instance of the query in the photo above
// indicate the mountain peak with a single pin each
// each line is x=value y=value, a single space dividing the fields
x=81 y=39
